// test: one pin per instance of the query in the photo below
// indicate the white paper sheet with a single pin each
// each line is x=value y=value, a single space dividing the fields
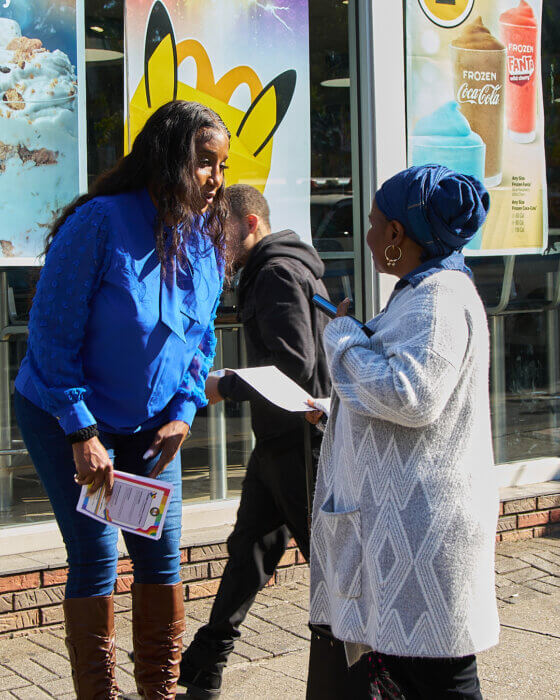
x=323 y=405
x=277 y=388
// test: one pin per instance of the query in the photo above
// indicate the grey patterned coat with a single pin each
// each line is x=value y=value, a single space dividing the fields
x=404 y=521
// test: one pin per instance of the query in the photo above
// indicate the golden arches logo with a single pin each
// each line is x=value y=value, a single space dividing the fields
x=446 y=13
x=252 y=131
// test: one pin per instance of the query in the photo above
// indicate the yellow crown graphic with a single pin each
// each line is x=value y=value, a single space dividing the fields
x=252 y=131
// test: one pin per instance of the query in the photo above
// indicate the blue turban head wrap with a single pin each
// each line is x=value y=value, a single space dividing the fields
x=440 y=209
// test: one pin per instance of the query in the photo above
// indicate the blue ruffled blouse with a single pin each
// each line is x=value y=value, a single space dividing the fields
x=112 y=341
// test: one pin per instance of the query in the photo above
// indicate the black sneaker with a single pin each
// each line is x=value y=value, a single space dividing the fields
x=202 y=684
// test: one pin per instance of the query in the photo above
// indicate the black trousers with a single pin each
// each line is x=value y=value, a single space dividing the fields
x=383 y=677
x=328 y=675
x=273 y=504
x=434 y=679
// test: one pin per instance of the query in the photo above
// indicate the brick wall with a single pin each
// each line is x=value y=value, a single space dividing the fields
x=31 y=600
x=34 y=599
x=524 y=518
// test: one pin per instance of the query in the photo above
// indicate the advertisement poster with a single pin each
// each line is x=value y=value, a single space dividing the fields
x=40 y=131
x=474 y=104
x=249 y=61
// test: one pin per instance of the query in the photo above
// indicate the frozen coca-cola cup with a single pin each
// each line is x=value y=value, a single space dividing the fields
x=519 y=32
x=479 y=66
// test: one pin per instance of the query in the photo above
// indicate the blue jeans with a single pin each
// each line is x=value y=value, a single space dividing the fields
x=92 y=546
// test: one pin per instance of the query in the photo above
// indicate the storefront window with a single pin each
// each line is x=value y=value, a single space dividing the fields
x=104 y=83
x=214 y=457
x=521 y=293
x=331 y=164
x=522 y=296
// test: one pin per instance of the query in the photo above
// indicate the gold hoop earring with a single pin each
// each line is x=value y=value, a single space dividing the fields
x=391 y=262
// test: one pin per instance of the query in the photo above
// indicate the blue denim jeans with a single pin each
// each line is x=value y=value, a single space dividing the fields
x=92 y=546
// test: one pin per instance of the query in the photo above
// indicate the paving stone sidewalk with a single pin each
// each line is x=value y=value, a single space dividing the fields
x=270 y=661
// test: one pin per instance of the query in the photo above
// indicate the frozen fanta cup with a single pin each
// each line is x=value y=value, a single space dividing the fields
x=519 y=33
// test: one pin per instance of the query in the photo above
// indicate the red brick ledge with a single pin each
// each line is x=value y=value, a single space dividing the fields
x=34 y=599
x=530 y=511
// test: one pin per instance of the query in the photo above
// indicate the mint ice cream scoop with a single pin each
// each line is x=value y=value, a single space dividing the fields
x=39 y=160
x=445 y=137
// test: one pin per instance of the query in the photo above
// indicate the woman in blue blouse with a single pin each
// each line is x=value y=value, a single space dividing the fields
x=121 y=339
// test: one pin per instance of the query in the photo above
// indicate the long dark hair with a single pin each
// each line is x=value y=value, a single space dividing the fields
x=163 y=157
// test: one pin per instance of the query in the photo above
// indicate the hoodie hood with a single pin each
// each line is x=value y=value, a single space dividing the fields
x=284 y=244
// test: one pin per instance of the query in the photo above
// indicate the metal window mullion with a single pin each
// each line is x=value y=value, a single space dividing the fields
x=6 y=474
x=381 y=123
x=217 y=435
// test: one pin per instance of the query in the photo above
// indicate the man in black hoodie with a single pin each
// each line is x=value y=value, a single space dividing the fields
x=279 y=277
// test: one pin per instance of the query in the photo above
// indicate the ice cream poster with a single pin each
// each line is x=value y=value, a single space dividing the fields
x=474 y=104
x=249 y=61
x=41 y=163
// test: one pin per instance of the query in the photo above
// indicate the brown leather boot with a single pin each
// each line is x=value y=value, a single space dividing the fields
x=158 y=624
x=90 y=640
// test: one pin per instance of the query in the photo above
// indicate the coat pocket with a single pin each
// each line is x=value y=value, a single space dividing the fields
x=343 y=533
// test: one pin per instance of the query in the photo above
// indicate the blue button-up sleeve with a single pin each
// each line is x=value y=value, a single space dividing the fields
x=191 y=396
x=73 y=270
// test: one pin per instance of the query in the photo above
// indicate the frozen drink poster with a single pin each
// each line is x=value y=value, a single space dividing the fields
x=249 y=61
x=474 y=104
x=39 y=122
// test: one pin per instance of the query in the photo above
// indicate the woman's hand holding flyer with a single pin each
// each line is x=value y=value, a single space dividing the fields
x=138 y=504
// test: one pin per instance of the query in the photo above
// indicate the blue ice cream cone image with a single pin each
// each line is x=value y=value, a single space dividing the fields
x=446 y=138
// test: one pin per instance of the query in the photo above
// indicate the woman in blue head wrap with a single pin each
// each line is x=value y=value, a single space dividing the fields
x=405 y=511
x=425 y=214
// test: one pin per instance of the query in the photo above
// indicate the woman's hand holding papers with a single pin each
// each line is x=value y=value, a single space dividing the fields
x=93 y=465
x=211 y=390
x=313 y=417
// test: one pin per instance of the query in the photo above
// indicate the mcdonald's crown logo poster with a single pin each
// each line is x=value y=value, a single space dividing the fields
x=249 y=61
x=474 y=104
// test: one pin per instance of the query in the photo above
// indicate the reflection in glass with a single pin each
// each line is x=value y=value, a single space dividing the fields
x=214 y=458
x=331 y=163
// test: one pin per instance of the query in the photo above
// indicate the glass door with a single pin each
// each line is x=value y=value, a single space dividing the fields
x=214 y=458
